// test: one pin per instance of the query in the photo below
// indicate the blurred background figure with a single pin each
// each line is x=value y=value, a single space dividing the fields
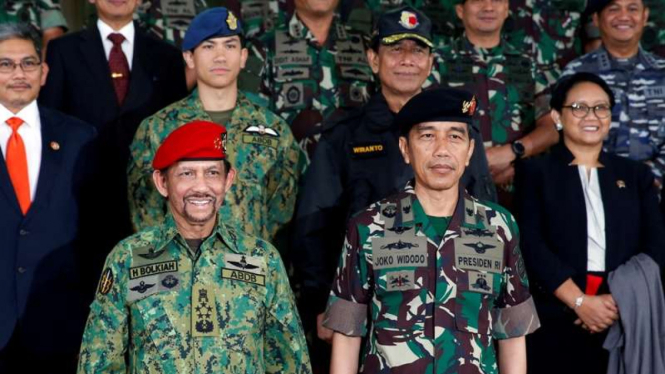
x=582 y=213
x=44 y=16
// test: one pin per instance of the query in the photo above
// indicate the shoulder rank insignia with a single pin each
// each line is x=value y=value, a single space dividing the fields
x=479 y=247
x=106 y=282
x=400 y=245
x=261 y=130
x=142 y=287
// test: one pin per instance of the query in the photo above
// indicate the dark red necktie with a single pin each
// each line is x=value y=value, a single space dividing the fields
x=119 y=67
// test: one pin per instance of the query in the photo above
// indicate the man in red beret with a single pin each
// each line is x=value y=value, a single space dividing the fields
x=194 y=294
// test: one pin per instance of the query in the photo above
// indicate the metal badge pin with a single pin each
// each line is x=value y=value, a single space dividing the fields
x=55 y=146
x=621 y=184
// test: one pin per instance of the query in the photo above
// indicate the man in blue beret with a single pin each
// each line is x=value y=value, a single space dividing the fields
x=431 y=276
x=261 y=146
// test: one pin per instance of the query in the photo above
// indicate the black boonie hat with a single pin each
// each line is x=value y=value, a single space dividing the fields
x=439 y=104
x=403 y=23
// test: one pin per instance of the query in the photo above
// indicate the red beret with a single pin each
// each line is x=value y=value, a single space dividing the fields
x=197 y=140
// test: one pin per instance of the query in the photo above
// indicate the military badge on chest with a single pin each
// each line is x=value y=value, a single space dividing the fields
x=244 y=268
x=261 y=135
x=204 y=312
x=152 y=271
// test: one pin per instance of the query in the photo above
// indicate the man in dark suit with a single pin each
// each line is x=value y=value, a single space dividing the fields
x=113 y=75
x=42 y=304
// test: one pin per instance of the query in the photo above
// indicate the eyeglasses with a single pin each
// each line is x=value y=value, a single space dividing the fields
x=27 y=65
x=601 y=111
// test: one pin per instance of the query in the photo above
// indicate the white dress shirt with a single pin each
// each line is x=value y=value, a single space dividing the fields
x=31 y=133
x=595 y=219
x=127 y=31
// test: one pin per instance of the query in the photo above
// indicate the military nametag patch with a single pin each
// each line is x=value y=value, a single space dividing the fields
x=394 y=252
x=244 y=268
x=473 y=253
x=400 y=280
x=153 y=269
x=260 y=140
x=290 y=51
x=368 y=149
x=204 y=312
x=143 y=287
x=351 y=51
x=654 y=92
x=178 y=14
x=481 y=282
x=106 y=282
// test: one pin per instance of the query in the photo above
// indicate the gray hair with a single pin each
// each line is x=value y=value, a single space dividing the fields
x=21 y=31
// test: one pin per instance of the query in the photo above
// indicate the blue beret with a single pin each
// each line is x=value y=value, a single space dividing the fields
x=214 y=22
x=439 y=104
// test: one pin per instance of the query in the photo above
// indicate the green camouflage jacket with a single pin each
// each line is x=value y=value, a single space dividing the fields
x=158 y=311
x=169 y=19
x=306 y=83
x=435 y=303
x=653 y=38
x=261 y=148
x=511 y=91
x=41 y=14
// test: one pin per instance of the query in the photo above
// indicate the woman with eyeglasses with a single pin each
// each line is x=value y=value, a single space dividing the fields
x=582 y=213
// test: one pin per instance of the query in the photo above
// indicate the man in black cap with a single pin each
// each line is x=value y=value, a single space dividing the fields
x=438 y=272
x=358 y=160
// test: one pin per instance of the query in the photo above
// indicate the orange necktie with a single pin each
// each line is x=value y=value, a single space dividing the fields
x=17 y=165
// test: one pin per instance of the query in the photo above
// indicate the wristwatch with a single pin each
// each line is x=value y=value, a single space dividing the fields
x=518 y=149
x=578 y=301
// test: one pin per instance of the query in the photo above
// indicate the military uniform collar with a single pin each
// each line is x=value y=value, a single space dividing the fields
x=298 y=30
x=644 y=58
x=193 y=102
x=378 y=112
x=464 y=44
x=169 y=233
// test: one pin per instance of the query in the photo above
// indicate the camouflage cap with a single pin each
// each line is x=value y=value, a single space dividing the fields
x=439 y=104
x=403 y=23
x=214 y=22
x=196 y=140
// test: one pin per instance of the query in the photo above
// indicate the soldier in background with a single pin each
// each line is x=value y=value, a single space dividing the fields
x=637 y=79
x=194 y=294
x=512 y=92
x=44 y=15
x=315 y=69
x=260 y=144
x=432 y=276
x=653 y=38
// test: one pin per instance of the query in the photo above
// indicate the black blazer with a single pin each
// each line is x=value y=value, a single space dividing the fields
x=551 y=213
x=79 y=84
x=40 y=264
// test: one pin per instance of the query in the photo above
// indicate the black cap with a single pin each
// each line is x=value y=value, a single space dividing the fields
x=403 y=23
x=439 y=104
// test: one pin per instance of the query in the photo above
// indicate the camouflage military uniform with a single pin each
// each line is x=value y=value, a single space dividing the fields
x=653 y=38
x=260 y=146
x=42 y=14
x=547 y=29
x=306 y=83
x=169 y=19
x=230 y=310
x=258 y=16
x=445 y=24
x=436 y=303
x=511 y=91
x=637 y=130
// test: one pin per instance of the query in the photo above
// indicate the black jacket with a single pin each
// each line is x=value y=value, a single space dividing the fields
x=356 y=163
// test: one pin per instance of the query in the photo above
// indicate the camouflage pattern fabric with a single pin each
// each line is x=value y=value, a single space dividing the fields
x=41 y=14
x=259 y=16
x=637 y=130
x=547 y=29
x=229 y=311
x=653 y=38
x=436 y=302
x=261 y=148
x=512 y=92
x=306 y=83
x=169 y=19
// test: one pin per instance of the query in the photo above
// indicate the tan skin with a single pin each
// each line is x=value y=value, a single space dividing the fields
x=438 y=152
x=317 y=15
x=217 y=63
x=483 y=20
x=195 y=191
x=621 y=25
x=20 y=88
x=402 y=69
x=584 y=138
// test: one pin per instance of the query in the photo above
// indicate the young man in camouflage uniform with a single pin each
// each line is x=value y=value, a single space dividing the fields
x=512 y=92
x=260 y=144
x=193 y=295
x=315 y=69
x=440 y=271
x=637 y=79
x=44 y=15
